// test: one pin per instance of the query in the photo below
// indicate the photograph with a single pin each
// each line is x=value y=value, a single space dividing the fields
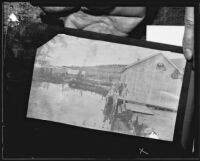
x=94 y=80
x=107 y=86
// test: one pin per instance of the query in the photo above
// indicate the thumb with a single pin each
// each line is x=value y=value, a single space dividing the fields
x=188 y=38
x=188 y=41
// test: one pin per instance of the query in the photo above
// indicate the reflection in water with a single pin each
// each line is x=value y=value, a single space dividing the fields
x=61 y=103
x=67 y=105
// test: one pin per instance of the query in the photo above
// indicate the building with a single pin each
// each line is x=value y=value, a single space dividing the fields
x=155 y=81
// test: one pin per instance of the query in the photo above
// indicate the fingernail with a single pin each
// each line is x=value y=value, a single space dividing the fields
x=188 y=54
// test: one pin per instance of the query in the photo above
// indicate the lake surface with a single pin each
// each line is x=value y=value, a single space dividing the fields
x=60 y=103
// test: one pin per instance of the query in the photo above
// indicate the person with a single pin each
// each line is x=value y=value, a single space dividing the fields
x=121 y=21
x=120 y=89
x=115 y=98
x=110 y=92
x=124 y=94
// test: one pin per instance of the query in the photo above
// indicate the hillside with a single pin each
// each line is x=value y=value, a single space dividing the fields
x=101 y=68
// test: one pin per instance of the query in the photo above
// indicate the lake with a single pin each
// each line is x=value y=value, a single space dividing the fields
x=60 y=103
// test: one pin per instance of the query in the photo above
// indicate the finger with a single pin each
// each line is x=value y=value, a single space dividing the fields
x=59 y=11
x=129 y=11
x=56 y=9
x=188 y=42
x=188 y=39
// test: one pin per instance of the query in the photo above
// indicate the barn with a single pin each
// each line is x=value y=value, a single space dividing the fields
x=155 y=81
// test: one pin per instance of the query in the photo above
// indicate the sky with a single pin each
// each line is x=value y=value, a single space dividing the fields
x=66 y=50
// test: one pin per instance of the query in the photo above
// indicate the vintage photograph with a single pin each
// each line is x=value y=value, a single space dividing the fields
x=107 y=86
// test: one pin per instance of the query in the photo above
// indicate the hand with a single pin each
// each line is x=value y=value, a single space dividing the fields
x=59 y=11
x=188 y=38
x=56 y=9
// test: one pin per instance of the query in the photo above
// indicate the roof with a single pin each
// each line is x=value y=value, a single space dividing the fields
x=150 y=57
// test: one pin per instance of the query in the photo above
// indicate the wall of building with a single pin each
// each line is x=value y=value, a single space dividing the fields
x=148 y=84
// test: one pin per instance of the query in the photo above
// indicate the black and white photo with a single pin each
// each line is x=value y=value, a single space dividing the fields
x=107 y=86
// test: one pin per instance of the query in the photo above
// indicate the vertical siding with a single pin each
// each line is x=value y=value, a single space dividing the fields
x=150 y=85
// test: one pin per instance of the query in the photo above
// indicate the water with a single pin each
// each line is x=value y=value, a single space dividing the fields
x=60 y=103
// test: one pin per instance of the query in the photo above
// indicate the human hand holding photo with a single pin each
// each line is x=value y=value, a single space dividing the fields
x=188 y=38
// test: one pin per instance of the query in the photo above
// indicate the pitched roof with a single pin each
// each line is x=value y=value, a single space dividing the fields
x=150 y=57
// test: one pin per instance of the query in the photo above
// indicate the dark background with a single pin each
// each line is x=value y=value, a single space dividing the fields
x=27 y=138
